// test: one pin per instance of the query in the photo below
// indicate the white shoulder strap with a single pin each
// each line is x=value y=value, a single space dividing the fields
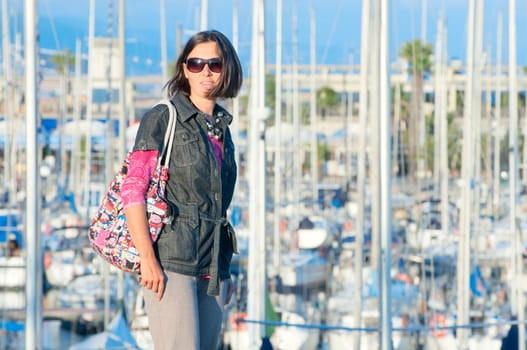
x=169 y=133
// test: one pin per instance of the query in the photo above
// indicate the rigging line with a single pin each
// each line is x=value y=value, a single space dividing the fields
x=53 y=28
x=415 y=328
x=333 y=28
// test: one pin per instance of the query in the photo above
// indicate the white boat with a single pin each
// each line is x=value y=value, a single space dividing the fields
x=12 y=299
x=303 y=269
x=139 y=323
x=117 y=336
x=12 y=272
x=62 y=266
x=284 y=337
x=313 y=232
x=81 y=304
x=289 y=337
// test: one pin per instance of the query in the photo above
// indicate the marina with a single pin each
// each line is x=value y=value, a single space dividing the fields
x=379 y=204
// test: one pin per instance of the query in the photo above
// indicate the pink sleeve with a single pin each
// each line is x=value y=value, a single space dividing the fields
x=140 y=170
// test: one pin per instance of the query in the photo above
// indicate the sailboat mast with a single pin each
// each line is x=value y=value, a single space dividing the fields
x=33 y=322
x=443 y=124
x=75 y=146
x=477 y=108
x=235 y=126
x=421 y=165
x=497 y=129
x=277 y=139
x=6 y=59
x=466 y=205
x=123 y=120
x=361 y=166
x=374 y=156
x=204 y=14
x=513 y=156
x=313 y=113
x=9 y=176
x=123 y=117
x=256 y=286
x=236 y=102
x=517 y=289
x=297 y=144
x=438 y=107
x=386 y=174
x=89 y=109
x=163 y=40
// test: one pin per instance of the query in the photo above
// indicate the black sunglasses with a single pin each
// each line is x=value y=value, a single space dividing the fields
x=196 y=65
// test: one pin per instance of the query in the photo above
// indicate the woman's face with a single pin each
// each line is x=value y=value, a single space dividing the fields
x=202 y=82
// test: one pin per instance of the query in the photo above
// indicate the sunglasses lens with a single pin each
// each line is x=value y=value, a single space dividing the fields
x=215 y=65
x=196 y=65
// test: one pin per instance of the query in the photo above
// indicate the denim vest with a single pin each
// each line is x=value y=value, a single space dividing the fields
x=199 y=241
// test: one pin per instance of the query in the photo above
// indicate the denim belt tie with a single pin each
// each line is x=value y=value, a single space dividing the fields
x=214 y=283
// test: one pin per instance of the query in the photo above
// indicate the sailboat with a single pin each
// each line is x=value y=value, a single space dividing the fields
x=117 y=336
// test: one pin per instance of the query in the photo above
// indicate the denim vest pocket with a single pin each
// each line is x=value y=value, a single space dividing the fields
x=185 y=149
x=180 y=240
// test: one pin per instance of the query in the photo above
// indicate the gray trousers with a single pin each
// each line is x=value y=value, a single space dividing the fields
x=186 y=317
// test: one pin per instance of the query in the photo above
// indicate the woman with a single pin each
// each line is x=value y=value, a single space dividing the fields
x=185 y=274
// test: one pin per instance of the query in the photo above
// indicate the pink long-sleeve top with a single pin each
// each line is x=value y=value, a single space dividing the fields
x=141 y=168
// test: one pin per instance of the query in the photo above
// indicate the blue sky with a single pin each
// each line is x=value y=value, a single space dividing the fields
x=337 y=26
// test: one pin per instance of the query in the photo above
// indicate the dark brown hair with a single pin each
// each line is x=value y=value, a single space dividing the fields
x=231 y=75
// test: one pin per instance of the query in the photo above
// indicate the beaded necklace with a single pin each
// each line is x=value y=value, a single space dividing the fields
x=213 y=128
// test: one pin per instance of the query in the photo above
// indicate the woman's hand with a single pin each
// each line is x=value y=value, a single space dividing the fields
x=152 y=276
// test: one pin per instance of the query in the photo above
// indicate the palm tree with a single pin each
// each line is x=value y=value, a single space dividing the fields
x=418 y=55
x=327 y=98
x=63 y=61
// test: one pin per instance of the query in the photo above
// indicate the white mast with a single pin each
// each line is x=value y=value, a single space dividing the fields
x=89 y=110
x=235 y=126
x=374 y=156
x=438 y=106
x=204 y=15
x=386 y=174
x=476 y=105
x=361 y=166
x=163 y=39
x=123 y=118
x=467 y=168
x=442 y=119
x=277 y=140
x=75 y=146
x=313 y=112
x=297 y=144
x=33 y=322
x=10 y=170
x=109 y=150
x=513 y=156
x=61 y=152
x=256 y=286
x=6 y=59
x=421 y=164
x=517 y=288
x=497 y=128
